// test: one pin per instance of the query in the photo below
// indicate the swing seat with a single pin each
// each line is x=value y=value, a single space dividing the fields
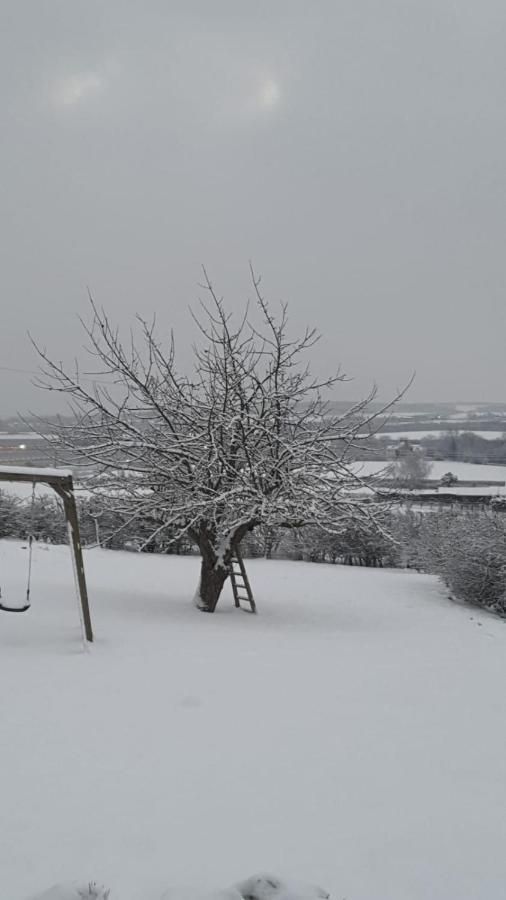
x=5 y=608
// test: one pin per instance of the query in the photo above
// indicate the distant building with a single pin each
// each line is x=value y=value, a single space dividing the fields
x=403 y=448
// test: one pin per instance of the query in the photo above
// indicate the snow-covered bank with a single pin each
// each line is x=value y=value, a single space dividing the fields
x=76 y=891
x=257 y=887
x=352 y=734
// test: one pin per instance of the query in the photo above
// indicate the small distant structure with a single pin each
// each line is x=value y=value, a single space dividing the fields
x=404 y=448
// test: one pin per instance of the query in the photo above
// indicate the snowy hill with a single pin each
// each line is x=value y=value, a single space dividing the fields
x=351 y=735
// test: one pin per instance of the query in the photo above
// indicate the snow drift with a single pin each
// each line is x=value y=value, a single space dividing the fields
x=258 y=887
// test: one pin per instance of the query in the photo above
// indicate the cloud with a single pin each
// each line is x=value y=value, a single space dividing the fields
x=74 y=89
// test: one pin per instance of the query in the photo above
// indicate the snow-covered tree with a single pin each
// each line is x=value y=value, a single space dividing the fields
x=448 y=479
x=257 y=887
x=411 y=468
x=244 y=440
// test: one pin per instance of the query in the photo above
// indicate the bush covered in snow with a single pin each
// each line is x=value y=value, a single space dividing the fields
x=364 y=543
x=467 y=549
x=258 y=887
x=98 y=524
x=76 y=891
x=45 y=520
x=411 y=468
x=270 y=887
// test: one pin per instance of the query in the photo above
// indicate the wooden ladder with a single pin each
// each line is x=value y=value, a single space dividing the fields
x=241 y=587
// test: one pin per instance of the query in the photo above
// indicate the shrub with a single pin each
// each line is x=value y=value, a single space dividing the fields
x=467 y=549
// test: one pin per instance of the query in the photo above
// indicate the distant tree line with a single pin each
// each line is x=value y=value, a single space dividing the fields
x=462 y=446
x=362 y=543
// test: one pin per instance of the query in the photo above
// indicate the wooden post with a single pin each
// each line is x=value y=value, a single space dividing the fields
x=236 y=587
x=61 y=482
x=69 y=504
x=65 y=489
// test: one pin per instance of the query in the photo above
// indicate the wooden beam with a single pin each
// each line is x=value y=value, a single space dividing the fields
x=44 y=477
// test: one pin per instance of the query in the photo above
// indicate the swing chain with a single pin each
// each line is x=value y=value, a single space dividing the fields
x=30 y=556
x=30 y=545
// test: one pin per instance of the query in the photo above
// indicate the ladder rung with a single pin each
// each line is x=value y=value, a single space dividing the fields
x=240 y=583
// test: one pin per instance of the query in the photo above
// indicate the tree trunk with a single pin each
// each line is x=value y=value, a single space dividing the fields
x=215 y=565
x=269 y=542
x=212 y=579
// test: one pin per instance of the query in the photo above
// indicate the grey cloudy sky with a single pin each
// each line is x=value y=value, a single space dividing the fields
x=353 y=149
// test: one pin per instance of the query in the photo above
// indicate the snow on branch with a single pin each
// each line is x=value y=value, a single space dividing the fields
x=245 y=439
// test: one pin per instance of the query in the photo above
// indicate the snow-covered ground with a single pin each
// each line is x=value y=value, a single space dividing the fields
x=463 y=471
x=261 y=886
x=418 y=435
x=22 y=436
x=467 y=471
x=351 y=735
x=24 y=490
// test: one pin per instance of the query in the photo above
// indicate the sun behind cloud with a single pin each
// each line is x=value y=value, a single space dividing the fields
x=73 y=89
x=269 y=94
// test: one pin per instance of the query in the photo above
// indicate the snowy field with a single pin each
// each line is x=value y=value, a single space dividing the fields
x=463 y=471
x=466 y=471
x=23 y=490
x=352 y=734
x=418 y=435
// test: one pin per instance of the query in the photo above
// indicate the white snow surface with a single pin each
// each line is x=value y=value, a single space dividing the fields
x=35 y=471
x=23 y=489
x=270 y=887
x=76 y=891
x=23 y=436
x=431 y=433
x=438 y=468
x=257 y=887
x=352 y=734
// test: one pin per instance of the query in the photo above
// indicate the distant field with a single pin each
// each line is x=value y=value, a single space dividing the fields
x=419 y=435
x=463 y=471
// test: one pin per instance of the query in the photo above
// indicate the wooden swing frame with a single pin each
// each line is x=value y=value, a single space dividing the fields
x=62 y=483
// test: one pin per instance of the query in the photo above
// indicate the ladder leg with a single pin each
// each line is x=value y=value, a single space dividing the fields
x=238 y=561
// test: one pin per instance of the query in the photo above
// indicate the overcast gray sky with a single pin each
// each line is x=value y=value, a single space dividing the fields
x=355 y=150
